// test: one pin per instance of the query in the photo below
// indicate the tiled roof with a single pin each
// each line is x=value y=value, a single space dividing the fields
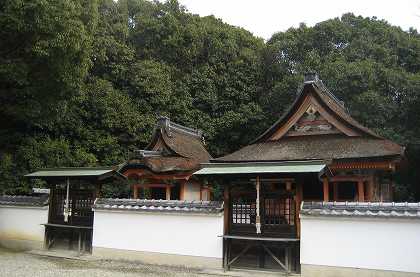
x=180 y=206
x=29 y=201
x=361 y=209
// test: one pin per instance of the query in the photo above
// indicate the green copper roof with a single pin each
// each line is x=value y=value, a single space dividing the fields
x=75 y=172
x=261 y=167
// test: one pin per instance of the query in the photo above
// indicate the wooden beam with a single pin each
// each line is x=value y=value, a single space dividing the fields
x=378 y=165
x=326 y=190
x=349 y=178
x=135 y=191
x=360 y=191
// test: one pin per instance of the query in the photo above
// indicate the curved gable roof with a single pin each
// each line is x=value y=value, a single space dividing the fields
x=327 y=100
x=180 y=140
x=351 y=140
x=173 y=148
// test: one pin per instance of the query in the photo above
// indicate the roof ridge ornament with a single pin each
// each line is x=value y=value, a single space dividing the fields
x=310 y=77
x=164 y=123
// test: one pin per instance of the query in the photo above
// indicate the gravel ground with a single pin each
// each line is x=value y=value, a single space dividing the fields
x=23 y=264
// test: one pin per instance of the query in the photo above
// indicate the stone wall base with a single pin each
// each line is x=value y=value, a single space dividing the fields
x=157 y=258
x=332 y=271
x=21 y=245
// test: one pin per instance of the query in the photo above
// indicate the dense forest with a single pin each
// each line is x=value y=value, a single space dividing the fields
x=82 y=82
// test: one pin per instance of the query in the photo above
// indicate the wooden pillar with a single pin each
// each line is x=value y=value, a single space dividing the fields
x=97 y=191
x=335 y=191
x=326 y=190
x=257 y=204
x=288 y=202
x=288 y=185
x=226 y=211
x=135 y=191
x=168 y=192
x=298 y=201
x=182 y=190
x=369 y=190
x=360 y=191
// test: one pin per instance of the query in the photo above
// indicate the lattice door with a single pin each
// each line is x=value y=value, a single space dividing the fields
x=80 y=203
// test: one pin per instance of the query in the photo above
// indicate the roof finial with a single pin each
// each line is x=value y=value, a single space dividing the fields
x=310 y=77
x=164 y=124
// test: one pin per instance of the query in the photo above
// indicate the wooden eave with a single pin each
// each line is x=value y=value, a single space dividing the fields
x=148 y=174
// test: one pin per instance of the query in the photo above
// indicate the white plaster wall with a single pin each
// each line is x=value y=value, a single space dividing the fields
x=22 y=223
x=191 y=191
x=181 y=234
x=384 y=244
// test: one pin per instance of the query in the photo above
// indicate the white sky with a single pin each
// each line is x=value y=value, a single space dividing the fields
x=265 y=17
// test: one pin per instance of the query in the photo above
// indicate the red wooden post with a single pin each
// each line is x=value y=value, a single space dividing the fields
x=326 y=190
x=360 y=191
x=135 y=191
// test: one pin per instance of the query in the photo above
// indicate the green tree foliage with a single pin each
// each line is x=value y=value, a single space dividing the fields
x=81 y=82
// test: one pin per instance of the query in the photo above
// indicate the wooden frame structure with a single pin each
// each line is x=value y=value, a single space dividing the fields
x=261 y=226
x=72 y=195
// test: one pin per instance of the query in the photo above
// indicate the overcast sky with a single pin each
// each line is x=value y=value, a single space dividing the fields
x=265 y=17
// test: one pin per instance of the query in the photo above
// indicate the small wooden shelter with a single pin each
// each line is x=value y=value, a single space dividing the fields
x=315 y=152
x=72 y=195
x=163 y=169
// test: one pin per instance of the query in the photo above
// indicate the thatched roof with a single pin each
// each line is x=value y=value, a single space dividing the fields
x=173 y=148
x=325 y=147
x=278 y=144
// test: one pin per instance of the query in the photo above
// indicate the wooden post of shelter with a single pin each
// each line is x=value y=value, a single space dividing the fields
x=226 y=207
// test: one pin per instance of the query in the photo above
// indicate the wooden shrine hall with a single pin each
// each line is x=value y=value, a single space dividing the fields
x=163 y=169
x=315 y=152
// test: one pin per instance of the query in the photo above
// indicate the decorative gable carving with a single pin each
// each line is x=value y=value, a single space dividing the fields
x=311 y=118
x=312 y=123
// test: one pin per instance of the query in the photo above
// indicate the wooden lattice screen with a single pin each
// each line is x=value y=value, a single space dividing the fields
x=277 y=211
x=80 y=203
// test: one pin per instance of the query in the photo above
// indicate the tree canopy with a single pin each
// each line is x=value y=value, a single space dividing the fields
x=81 y=82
